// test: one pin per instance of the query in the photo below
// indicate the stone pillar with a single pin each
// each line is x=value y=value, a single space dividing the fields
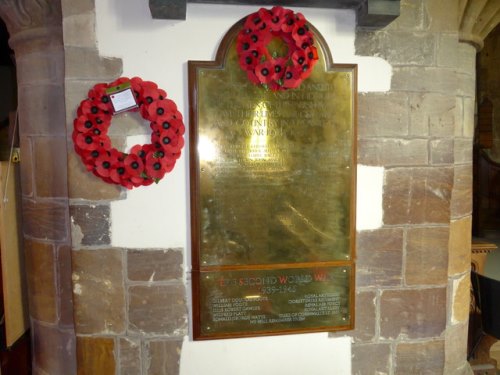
x=413 y=273
x=36 y=37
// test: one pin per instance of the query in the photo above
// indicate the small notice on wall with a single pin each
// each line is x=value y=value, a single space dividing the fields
x=272 y=199
x=122 y=98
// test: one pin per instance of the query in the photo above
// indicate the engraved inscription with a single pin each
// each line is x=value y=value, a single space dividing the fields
x=250 y=301
x=275 y=168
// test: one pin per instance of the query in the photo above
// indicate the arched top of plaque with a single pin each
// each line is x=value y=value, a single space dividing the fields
x=226 y=53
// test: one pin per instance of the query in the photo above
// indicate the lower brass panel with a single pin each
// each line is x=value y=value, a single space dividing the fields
x=272 y=301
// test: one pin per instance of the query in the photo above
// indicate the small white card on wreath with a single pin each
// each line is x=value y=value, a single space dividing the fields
x=122 y=97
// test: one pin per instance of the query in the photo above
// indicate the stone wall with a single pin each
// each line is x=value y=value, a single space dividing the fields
x=413 y=273
x=411 y=289
x=36 y=38
x=126 y=320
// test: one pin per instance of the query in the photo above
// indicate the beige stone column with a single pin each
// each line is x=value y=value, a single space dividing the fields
x=36 y=37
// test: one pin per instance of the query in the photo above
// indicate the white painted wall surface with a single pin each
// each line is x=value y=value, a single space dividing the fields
x=158 y=50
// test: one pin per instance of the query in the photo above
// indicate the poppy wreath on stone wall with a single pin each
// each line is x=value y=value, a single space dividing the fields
x=144 y=164
x=269 y=69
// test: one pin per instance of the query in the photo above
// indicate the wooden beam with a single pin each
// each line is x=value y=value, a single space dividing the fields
x=378 y=13
x=371 y=13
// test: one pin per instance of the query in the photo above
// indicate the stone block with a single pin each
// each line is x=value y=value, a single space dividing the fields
x=413 y=17
x=96 y=355
x=82 y=184
x=382 y=115
x=455 y=348
x=434 y=114
x=420 y=358
x=469 y=117
x=70 y=7
x=41 y=277
x=98 y=291
x=50 y=167
x=461 y=203
x=90 y=225
x=26 y=167
x=157 y=309
x=64 y=268
x=76 y=92
x=130 y=356
x=392 y=152
x=85 y=63
x=456 y=55
x=426 y=261
x=164 y=357
x=417 y=195
x=380 y=257
x=398 y=48
x=460 y=299
x=154 y=265
x=41 y=110
x=371 y=359
x=442 y=151
x=53 y=349
x=47 y=69
x=366 y=316
x=442 y=15
x=463 y=150
x=46 y=219
x=79 y=30
x=460 y=251
x=433 y=80
x=412 y=313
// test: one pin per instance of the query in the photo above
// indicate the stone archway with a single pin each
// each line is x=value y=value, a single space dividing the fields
x=35 y=28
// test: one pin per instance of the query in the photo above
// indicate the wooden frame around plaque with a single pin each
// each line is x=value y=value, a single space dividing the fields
x=273 y=185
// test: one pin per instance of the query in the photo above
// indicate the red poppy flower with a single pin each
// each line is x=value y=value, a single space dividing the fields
x=119 y=81
x=88 y=107
x=279 y=66
x=155 y=167
x=278 y=16
x=255 y=20
x=248 y=60
x=142 y=151
x=312 y=54
x=245 y=44
x=161 y=107
x=168 y=123
x=99 y=97
x=118 y=173
x=105 y=163
x=265 y=71
x=89 y=141
x=89 y=156
x=168 y=140
x=134 y=165
x=292 y=77
x=91 y=124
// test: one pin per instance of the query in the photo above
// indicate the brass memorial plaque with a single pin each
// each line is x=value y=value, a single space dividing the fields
x=272 y=199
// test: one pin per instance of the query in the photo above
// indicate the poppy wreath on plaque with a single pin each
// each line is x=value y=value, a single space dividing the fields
x=270 y=69
x=144 y=164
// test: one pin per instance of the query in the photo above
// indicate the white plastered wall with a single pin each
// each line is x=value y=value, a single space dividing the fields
x=158 y=50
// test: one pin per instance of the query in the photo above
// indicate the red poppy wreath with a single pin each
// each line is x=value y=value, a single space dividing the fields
x=261 y=66
x=144 y=164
